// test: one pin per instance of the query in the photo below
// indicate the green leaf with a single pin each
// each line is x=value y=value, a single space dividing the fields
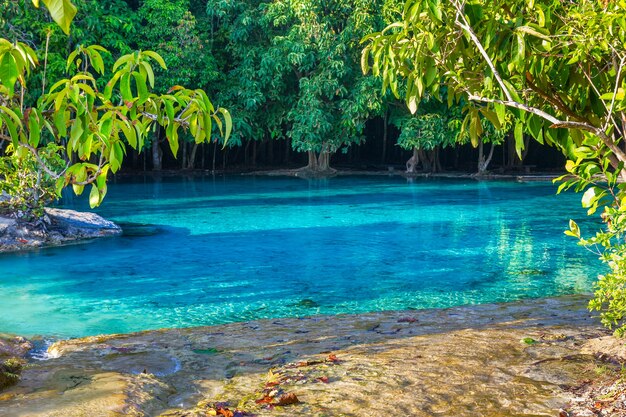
x=62 y=12
x=122 y=60
x=94 y=196
x=619 y=95
x=149 y=73
x=142 y=89
x=171 y=132
x=228 y=122
x=435 y=9
x=34 y=131
x=529 y=30
x=76 y=132
x=491 y=116
x=156 y=57
x=574 y=229
x=589 y=197
x=519 y=139
x=78 y=189
x=125 y=88
x=8 y=72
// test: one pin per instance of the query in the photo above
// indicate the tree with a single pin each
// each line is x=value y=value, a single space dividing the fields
x=556 y=67
x=292 y=72
x=432 y=128
x=94 y=127
x=171 y=30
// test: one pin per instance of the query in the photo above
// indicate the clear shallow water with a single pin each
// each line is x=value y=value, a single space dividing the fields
x=244 y=248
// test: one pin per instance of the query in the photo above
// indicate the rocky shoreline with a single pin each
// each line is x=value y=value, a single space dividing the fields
x=58 y=227
x=532 y=358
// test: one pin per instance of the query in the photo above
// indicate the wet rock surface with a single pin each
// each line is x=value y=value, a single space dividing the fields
x=58 y=227
x=518 y=359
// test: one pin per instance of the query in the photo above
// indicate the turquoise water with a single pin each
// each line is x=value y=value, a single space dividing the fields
x=244 y=248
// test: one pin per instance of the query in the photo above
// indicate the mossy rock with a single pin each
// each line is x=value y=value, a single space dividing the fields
x=10 y=371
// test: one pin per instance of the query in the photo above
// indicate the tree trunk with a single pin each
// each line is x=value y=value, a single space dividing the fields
x=425 y=159
x=323 y=161
x=246 y=157
x=184 y=158
x=483 y=163
x=412 y=163
x=157 y=154
x=214 y=153
x=254 y=153
x=383 y=157
x=436 y=160
x=270 y=152
x=313 y=164
x=192 y=158
x=514 y=160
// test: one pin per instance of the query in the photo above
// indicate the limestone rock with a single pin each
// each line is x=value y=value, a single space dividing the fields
x=57 y=227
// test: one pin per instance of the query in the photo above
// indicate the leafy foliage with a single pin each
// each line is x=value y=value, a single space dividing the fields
x=292 y=70
x=25 y=188
x=77 y=121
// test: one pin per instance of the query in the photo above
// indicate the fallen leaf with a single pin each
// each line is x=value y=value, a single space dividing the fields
x=265 y=400
x=332 y=358
x=211 y=412
x=288 y=399
x=323 y=379
x=407 y=320
x=225 y=412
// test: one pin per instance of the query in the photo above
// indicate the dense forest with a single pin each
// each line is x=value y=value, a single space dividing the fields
x=290 y=74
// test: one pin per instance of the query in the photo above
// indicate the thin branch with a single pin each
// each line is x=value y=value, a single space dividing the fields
x=467 y=28
x=564 y=124
x=43 y=165
x=554 y=99
x=45 y=64
x=520 y=106
x=609 y=116
x=595 y=89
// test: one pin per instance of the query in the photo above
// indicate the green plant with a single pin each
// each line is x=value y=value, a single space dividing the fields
x=10 y=371
x=87 y=126
x=24 y=187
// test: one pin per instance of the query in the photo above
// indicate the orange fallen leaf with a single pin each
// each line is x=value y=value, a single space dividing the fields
x=333 y=358
x=225 y=412
x=323 y=379
x=265 y=400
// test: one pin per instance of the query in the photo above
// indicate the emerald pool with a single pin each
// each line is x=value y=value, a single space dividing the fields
x=238 y=248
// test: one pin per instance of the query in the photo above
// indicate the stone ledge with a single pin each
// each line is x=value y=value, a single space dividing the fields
x=63 y=227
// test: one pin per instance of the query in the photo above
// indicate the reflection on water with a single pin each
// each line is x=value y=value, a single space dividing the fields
x=212 y=250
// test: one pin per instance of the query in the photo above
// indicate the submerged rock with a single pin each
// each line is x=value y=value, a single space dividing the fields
x=464 y=362
x=58 y=227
